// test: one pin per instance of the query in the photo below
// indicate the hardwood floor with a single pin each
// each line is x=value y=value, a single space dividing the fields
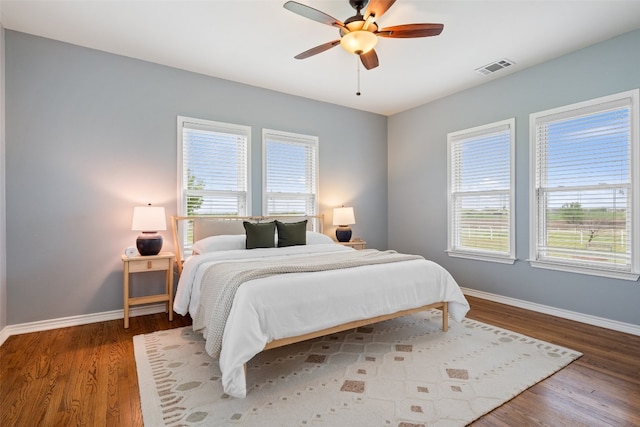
x=78 y=376
x=86 y=375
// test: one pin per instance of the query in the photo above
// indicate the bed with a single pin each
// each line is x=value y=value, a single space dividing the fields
x=245 y=301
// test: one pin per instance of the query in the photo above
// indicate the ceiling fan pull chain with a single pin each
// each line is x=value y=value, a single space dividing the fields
x=358 y=73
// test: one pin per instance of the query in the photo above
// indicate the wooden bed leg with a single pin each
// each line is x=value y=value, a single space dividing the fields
x=445 y=316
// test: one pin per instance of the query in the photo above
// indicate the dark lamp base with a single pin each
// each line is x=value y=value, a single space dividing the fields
x=149 y=243
x=343 y=233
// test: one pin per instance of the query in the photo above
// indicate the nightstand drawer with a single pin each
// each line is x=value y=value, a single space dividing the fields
x=149 y=265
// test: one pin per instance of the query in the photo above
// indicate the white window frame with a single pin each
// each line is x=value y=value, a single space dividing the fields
x=299 y=139
x=454 y=246
x=537 y=230
x=211 y=126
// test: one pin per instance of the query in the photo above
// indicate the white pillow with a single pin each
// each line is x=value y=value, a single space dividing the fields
x=314 y=238
x=225 y=242
x=229 y=242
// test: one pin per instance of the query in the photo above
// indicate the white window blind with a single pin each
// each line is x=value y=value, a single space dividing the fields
x=584 y=183
x=213 y=168
x=290 y=168
x=481 y=201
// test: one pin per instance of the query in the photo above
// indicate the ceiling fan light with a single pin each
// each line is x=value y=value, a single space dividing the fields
x=359 y=41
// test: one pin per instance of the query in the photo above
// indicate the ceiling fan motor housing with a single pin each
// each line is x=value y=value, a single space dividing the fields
x=357 y=24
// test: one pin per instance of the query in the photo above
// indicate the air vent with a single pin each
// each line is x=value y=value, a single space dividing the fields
x=494 y=66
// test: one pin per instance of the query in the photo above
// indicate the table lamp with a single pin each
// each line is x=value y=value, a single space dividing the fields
x=343 y=217
x=149 y=220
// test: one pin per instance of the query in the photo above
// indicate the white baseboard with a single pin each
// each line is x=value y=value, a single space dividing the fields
x=627 y=328
x=64 y=322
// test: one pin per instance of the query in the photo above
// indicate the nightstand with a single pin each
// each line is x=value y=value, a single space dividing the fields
x=162 y=262
x=355 y=244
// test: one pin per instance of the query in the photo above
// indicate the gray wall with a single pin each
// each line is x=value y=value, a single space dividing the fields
x=90 y=135
x=417 y=153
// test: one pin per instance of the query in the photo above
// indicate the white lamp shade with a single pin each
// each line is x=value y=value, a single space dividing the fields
x=343 y=216
x=148 y=218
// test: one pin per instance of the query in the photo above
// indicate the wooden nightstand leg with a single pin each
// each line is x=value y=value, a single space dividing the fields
x=170 y=290
x=126 y=295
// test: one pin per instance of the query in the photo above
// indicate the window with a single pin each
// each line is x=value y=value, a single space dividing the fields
x=290 y=168
x=585 y=187
x=213 y=168
x=481 y=198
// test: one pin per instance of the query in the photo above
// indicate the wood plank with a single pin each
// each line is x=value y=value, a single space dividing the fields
x=60 y=366
x=76 y=396
x=116 y=352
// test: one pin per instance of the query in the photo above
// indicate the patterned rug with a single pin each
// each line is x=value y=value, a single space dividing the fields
x=404 y=372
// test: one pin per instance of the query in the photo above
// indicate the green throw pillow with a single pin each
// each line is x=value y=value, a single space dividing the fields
x=260 y=235
x=292 y=233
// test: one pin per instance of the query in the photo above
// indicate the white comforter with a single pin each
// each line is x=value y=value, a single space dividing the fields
x=298 y=303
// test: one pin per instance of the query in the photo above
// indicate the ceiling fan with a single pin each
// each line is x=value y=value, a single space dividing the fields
x=359 y=33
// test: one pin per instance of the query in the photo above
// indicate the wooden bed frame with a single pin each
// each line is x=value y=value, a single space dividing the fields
x=444 y=306
x=233 y=225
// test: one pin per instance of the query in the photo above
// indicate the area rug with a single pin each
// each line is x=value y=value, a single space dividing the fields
x=404 y=372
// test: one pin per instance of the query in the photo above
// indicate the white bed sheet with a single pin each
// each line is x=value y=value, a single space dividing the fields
x=298 y=303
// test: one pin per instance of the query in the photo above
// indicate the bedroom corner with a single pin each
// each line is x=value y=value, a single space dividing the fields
x=3 y=252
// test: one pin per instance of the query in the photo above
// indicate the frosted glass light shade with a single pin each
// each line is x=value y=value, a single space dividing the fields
x=359 y=41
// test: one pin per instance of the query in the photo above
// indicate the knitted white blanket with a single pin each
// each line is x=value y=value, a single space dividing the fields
x=221 y=281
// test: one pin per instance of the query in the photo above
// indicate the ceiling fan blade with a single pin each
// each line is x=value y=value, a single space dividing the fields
x=318 y=49
x=377 y=8
x=369 y=59
x=411 y=30
x=313 y=14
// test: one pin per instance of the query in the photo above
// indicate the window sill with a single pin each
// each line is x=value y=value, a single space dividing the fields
x=482 y=257
x=584 y=270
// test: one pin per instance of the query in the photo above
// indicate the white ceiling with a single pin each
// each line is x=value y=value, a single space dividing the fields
x=254 y=42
